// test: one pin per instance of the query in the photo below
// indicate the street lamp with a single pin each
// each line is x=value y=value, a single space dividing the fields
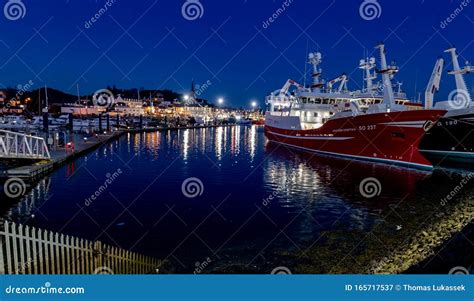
x=254 y=104
x=220 y=100
x=186 y=97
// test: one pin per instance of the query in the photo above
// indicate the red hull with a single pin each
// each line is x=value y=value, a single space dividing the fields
x=385 y=137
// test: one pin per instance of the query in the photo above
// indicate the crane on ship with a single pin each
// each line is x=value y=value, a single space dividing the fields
x=458 y=72
x=286 y=87
x=433 y=84
x=342 y=87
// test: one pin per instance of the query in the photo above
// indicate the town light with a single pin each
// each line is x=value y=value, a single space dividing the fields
x=186 y=97
x=220 y=100
x=254 y=104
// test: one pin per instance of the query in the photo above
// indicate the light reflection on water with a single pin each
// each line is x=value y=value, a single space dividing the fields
x=259 y=199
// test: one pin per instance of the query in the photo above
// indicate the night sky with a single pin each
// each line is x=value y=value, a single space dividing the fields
x=150 y=44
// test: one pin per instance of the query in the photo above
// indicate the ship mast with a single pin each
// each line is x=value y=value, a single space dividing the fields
x=78 y=97
x=45 y=109
x=367 y=65
x=386 y=71
x=458 y=75
x=315 y=58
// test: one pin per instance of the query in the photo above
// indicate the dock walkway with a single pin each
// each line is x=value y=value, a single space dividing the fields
x=59 y=157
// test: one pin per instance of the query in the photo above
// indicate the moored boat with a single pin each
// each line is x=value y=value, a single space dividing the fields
x=339 y=123
x=451 y=140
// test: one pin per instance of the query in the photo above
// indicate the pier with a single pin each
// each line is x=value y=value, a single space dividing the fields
x=14 y=145
x=57 y=158
x=60 y=156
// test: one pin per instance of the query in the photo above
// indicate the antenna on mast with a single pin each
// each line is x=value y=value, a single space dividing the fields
x=315 y=58
x=387 y=72
x=78 y=97
x=306 y=65
x=458 y=75
x=367 y=65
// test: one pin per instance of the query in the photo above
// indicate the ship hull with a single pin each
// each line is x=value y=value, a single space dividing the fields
x=450 y=141
x=391 y=138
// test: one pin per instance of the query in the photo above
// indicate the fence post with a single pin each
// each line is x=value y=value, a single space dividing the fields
x=2 y=253
x=35 y=257
x=21 y=264
x=45 y=245
x=64 y=252
x=29 y=260
x=15 y=249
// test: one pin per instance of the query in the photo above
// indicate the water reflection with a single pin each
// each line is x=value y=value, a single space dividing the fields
x=252 y=141
x=219 y=143
x=275 y=199
x=185 y=144
x=32 y=200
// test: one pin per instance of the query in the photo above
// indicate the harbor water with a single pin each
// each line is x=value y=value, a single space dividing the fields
x=225 y=200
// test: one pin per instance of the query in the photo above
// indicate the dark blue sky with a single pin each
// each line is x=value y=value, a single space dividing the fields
x=150 y=44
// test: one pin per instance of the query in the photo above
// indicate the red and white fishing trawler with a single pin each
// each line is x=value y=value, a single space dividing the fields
x=343 y=123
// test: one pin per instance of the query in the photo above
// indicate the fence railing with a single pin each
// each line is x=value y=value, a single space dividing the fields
x=15 y=145
x=29 y=250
